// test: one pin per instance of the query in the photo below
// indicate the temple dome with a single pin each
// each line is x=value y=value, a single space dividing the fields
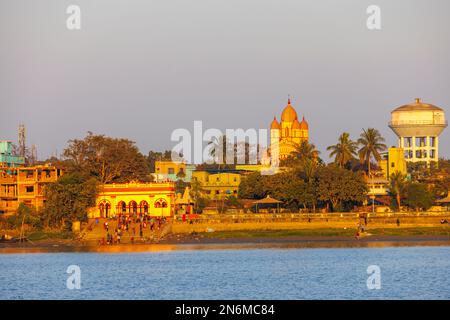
x=289 y=114
x=304 y=124
x=296 y=124
x=274 y=124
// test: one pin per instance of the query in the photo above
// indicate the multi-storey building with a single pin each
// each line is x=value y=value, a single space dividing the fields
x=217 y=186
x=25 y=185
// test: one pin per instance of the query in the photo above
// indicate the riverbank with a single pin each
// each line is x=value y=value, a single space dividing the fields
x=299 y=238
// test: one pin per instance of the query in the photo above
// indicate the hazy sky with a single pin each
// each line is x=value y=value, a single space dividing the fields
x=140 y=69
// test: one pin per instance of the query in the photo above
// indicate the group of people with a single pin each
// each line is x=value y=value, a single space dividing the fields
x=128 y=224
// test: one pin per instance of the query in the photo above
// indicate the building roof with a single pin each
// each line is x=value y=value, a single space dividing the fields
x=418 y=105
x=296 y=124
x=267 y=200
x=304 y=125
x=274 y=124
x=289 y=114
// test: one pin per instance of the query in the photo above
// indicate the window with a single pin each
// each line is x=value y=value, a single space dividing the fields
x=432 y=153
x=171 y=170
x=433 y=142
x=392 y=164
x=421 y=141
x=407 y=141
x=29 y=189
x=160 y=203
x=418 y=154
x=217 y=191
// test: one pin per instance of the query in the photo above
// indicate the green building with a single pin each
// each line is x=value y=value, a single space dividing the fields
x=7 y=159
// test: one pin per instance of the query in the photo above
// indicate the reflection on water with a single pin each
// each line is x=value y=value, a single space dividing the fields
x=128 y=248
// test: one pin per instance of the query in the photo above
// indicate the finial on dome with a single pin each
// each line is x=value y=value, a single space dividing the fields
x=289 y=99
x=417 y=100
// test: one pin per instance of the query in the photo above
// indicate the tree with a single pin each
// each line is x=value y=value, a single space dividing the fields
x=252 y=186
x=154 y=156
x=344 y=150
x=196 y=194
x=397 y=185
x=180 y=186
x=305 y=150
x=337 y=185
x=107 y=159
x=372 y=144
x=418 y=196
x=68 y=199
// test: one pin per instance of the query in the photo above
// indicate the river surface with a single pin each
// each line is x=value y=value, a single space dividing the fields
x=268 y=273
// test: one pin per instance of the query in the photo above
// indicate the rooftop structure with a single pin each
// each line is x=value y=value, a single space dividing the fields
x=418 y=126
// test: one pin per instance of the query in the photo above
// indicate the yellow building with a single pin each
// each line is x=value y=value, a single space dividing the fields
x=25 y=184
x=218 y=186
x=172 y=171
x=288 y=133
x=393 y=160
x=153 y=199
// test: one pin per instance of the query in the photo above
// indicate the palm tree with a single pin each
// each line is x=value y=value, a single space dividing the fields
x=305 y=150
x=218 y=149
x=372 y=144
x=397 y=185
x=344 y=150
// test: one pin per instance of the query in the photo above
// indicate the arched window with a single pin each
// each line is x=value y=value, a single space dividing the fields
x=121 y=207
x=143 y=207
x=132 y=206
x=104 y=208
x=160 y=203
x=101 y=207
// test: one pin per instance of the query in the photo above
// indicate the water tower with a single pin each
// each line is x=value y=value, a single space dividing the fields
x=418 y=126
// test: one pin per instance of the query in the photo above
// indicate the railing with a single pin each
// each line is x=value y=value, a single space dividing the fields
x=304 y=217
x=418 y=122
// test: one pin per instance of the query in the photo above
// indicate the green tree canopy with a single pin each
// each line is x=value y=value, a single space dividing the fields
x=107 y=159
x=397 y=186
x=337 y=185
x=372 y=143
x=344 y=151
x=418 y=196
x=68 y=199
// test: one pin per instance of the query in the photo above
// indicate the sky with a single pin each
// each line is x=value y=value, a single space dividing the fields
x=141 y=69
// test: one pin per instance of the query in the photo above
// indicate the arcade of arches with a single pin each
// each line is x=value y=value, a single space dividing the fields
x=153 y=199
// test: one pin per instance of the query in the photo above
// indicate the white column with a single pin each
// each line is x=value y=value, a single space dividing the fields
x=413 y=148
x=427 y=147
x=436 y=148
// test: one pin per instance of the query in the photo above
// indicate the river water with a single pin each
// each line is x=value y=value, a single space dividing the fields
x=268 y=273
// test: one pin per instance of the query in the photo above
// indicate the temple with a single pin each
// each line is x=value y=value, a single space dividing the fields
x=287 y=134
